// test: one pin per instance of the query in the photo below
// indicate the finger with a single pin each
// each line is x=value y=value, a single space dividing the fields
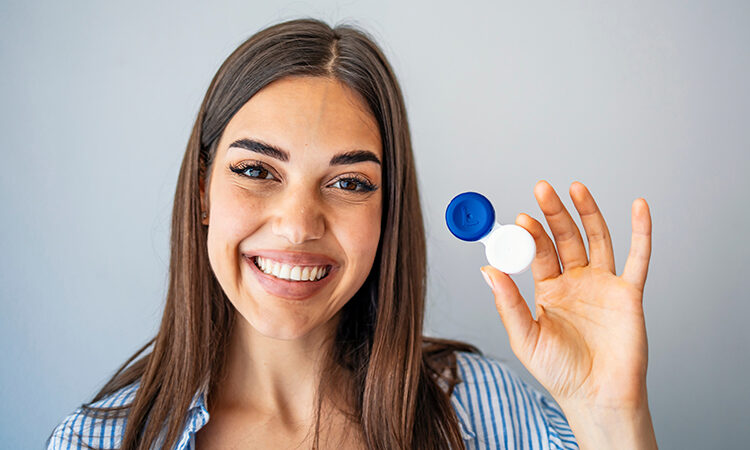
x=567 y=237
x=545 y=264
x=521 y=327
x=597 y=233
x=636 y=267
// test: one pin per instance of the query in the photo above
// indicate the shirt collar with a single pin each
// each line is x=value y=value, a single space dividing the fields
x=197 y=417
x=464 y=422
x=467 y=431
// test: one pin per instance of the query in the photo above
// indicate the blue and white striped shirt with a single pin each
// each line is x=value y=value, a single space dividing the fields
x=494 y=407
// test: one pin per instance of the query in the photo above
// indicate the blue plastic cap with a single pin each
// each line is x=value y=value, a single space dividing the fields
x=470 y=216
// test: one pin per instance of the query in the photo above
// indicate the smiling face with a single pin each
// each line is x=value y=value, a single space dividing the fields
x=295 y=204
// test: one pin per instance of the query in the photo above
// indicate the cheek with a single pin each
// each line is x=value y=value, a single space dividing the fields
x=231 y=220
x=359 y=236
x=233 y=212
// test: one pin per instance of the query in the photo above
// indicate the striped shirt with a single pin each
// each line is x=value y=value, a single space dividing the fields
x=494 y=407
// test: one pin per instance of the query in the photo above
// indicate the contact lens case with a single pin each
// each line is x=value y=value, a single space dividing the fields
x=509 y=248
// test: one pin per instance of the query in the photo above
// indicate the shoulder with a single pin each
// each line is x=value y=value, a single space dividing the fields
x=496 y=407
x=84 y=427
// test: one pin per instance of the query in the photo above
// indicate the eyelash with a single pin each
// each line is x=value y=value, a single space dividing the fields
x=362 y=185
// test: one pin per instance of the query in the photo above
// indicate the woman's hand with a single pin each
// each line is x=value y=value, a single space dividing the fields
x=587 y=346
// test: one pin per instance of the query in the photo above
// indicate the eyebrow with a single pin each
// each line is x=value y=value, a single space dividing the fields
x=350 y=157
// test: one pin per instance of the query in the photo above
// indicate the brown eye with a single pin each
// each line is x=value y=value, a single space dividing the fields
x=253 y=171
x=354 y=184
x=348 y=185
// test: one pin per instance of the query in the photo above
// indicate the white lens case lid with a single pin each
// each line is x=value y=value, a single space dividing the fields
x=509 y=248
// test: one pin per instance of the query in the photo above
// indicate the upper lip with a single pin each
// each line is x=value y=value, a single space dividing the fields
x=293 y=258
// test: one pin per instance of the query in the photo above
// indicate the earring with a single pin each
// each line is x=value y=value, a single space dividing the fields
x=203 y=215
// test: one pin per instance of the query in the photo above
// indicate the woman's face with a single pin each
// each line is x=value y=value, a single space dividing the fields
x=295 y=203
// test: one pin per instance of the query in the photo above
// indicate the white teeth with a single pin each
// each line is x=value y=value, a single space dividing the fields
x=284 y=272
x=290 y=272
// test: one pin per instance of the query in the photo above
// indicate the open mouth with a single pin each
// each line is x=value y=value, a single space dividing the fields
x=290 y=272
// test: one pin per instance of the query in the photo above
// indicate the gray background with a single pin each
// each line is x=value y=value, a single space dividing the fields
x=632 y=98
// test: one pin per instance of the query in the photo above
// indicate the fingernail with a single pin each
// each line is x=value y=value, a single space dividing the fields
x=487 y=279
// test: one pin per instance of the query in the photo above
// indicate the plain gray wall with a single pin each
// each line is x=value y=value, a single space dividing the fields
x=632 y=98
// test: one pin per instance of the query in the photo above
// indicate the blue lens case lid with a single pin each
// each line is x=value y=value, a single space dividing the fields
x=470 y=216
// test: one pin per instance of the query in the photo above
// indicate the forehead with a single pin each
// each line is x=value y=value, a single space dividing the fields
x=304 y=112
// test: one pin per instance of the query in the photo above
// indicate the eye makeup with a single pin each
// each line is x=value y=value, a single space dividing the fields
x=252 y=169
x=259 y=171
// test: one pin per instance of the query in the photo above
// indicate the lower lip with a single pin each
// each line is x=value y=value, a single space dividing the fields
x=291 y=290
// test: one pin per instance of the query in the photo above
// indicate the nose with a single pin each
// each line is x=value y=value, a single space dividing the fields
x=298 y=218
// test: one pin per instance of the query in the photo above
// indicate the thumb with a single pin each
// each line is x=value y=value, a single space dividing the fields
x=521 y=327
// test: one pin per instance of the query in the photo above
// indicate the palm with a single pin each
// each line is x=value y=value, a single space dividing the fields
x=593 y=326
x=588 y=342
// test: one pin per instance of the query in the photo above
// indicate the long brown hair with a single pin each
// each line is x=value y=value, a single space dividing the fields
x=400 y=381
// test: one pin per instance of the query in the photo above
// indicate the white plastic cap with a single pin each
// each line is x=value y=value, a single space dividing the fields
x=509 y=248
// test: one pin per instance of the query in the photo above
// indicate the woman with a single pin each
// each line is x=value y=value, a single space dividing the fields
x=296 y=290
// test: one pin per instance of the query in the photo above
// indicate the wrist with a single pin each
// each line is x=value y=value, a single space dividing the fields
x=605 y=427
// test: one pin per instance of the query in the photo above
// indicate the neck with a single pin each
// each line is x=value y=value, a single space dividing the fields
x=273 y=376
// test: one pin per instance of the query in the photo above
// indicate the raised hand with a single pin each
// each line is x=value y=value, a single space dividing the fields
x=588 y=345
